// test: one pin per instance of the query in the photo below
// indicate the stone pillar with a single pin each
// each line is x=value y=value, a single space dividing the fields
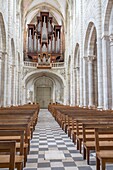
x=19 y=86
x=111 y=50
x=99 y=54
x=90 y=76
x=5 y=79
x=14 y=85
x=68 y=89
x=74 y=86
x=24 y=96
x=10 y=32
x=81 y=51
x=100 y=77
x=85 y=59
x=9 y=84
x=81 y=82
x=0 y=76
x=71 y=86
x=105 y=41
x=78 y=85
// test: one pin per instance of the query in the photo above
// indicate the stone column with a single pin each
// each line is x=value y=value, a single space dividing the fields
x=81 y=51
x=9 y=83
x=18 y=89
x=24 y=96
x=90 y=76
x=71 y=86
x=85 y=59
x=99 y=54
x=74 y=86
x=78 y=85
x=10 y=32
x=14 y=85
x=100 y=77
x=105 y=41
x=0 y=76
x=5 y=79
x=81 y=82
x=111 y=50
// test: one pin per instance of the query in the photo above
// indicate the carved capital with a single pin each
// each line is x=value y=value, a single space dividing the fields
x=91 y=58
x=111 y=39
x=1 y=55
x=105 y=37
x=76 y=68
x=85 y=58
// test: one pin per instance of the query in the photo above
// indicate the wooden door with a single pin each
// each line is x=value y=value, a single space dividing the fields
x=43 y=96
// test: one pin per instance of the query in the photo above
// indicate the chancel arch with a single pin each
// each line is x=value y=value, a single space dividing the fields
x=90 y=67
x=54 y=84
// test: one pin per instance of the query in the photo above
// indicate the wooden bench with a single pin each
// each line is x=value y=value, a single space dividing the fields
x=89 y=140
x=104 y=155
x=16 y=119
x=10 y=160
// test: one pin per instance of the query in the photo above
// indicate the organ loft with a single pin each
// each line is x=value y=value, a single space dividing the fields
x=44 y=41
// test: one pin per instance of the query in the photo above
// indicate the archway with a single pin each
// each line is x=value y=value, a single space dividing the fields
x=46 y=79
x=44 y=91
x=90 y=67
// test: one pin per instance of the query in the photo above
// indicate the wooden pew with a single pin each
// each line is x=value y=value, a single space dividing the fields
x=17 y=127
x=11 y=147
x=67 y=116
x=10 y=160
x=104 y=155
x=19 y=118
x=89 y=139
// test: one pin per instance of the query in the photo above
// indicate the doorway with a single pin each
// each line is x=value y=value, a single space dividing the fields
x=43 y=96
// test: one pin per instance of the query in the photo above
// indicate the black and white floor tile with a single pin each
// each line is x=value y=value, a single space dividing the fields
x=52 y=149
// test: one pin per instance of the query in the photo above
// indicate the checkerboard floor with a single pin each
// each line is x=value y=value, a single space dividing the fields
x=52 y=149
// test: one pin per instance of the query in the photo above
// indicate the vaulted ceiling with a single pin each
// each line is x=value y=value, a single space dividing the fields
x=31 y=8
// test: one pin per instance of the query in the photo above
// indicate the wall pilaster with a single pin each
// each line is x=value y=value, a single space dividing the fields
x=90 y=81
x=111 y=50
x=0 y=77
x=105 y=41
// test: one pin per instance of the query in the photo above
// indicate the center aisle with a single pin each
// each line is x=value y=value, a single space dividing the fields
x=52 y=149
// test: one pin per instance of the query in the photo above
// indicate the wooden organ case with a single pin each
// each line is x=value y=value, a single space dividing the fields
x=44 y=41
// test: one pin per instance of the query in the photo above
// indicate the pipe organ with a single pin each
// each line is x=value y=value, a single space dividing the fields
x=44 y=41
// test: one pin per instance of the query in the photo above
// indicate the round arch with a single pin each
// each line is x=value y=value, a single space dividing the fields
x=46 y=86
x=37 y=72
x=2 y=58
x=57 y=80
x=109 y=10
x=2 y=34
x=90 y=66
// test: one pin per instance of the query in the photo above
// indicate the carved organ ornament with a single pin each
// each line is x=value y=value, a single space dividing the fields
x=44 y=41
